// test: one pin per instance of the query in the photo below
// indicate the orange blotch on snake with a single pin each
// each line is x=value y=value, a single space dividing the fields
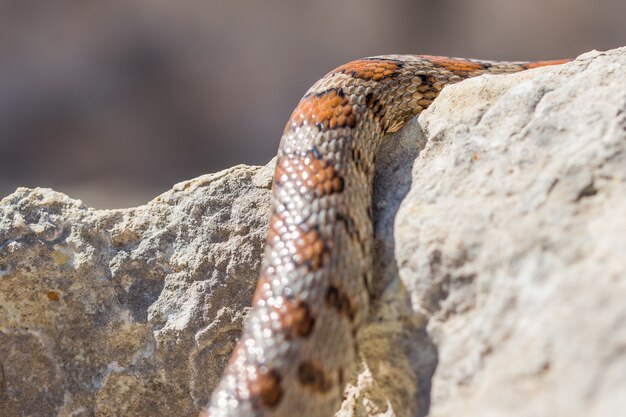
x=453 y=64
x=295 y=317
x=327 y=110
x=309 y=175
x=538 y=64
x=369 y=69
x=309 y=248
x=306 y=247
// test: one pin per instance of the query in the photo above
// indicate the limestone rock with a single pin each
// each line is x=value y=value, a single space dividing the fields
x=512 y=241
x=126 y=312
x=500 y=272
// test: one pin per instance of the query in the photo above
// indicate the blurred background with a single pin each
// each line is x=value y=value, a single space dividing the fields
x=113 y=102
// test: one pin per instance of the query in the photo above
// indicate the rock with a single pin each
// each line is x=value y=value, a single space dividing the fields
x=512 y=238
x=126 y=312
x=500 y=279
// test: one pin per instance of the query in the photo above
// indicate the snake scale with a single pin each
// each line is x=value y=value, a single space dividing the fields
x=298 y=347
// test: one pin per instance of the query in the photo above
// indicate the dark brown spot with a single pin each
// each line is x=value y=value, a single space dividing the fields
x=375 y=106
x=265 y=390
x=337 y=184
x=337 y=299
x=350 y=226
x=297 y=319
x=340 y=377
x=360 y=162
x=53 y=296
x=312 y=376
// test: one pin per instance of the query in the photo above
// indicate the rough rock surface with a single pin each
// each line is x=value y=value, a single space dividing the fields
x=126 y=312
x=512 y=241
x=501 y=279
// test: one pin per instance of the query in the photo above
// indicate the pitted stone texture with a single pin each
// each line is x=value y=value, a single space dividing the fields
x=126 y=312
x=512 y=241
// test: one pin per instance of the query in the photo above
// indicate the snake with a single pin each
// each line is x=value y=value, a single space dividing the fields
x=298 y=347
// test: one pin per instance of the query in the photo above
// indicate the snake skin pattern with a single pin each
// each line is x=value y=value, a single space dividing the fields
x=298 y=348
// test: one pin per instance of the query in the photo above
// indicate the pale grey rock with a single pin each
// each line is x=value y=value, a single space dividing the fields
x=512 y=241
x=126 y=312
x=499 y=273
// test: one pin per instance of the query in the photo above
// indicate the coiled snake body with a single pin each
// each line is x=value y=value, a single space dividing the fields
x=299 y=340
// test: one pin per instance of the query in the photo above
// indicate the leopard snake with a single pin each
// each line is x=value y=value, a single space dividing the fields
x=298 y=347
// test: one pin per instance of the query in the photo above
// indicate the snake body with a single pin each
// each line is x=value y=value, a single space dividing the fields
x=298 y=347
